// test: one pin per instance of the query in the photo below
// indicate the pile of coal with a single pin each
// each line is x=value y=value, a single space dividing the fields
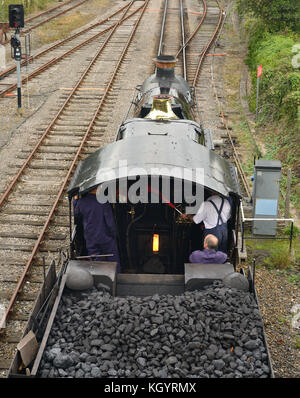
x=215 y=332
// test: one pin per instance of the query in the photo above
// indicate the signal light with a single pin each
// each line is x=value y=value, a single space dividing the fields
x=155 y=243
x=16 y=15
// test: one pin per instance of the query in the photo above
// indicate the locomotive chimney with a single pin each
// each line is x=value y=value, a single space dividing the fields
x=165 y=65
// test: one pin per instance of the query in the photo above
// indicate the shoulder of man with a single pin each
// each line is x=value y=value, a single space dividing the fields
x=195 y=255
x=214 y=198
x=222 y=256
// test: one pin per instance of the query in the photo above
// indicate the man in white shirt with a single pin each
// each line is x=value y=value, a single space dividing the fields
x=215 y=212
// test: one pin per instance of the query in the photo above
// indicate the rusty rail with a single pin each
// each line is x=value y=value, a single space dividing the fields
x=208 y=45
x=83 y=141
x=56 y=45
x=47 y=11
x=52 y=17
x=235 y=153
x=196 y=30
x=4 y=26
x=57 y=59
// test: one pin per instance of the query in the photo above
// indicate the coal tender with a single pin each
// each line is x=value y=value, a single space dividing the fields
x=214 y=332
x=160 y=316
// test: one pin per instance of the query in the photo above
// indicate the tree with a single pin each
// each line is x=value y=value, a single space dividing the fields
x=276 y=14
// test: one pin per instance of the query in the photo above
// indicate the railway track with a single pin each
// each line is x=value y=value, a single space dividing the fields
x=34 y=199
x=206 y=63
x=170 y=38
x=246 y=192
x=33 y=212
x=54 y=12
x=200 y=73
x=57 y=52
x=45 y=16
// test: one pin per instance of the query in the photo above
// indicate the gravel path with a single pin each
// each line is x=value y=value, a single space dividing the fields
x=279 y=303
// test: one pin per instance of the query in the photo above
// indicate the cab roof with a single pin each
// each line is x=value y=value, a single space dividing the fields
x=155 y=155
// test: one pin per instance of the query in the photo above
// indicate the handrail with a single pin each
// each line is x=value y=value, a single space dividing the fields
x=245 y=219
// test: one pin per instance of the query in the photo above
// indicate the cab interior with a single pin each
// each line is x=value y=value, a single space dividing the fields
x=153 y=238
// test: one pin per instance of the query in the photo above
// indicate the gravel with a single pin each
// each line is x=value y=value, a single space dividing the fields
x=212 y=333
x=277 y=298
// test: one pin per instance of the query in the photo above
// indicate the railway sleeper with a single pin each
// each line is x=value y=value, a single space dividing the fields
x=40 y=165
x=28 y=181
x=17 y=201
x=47 y=173
x=48 y=156
x=58 y=142
x=64 y=134
x=30 y=235
x=63 y=127
x=29 y=219
x=33 y=212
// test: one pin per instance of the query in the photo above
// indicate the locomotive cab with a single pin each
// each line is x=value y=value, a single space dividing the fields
x=160 y=166
x=148 y=191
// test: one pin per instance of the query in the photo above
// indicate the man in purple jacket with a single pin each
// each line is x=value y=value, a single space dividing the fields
x=209 y=255
x=99 y=227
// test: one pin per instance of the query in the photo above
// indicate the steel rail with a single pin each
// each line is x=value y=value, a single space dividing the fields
x=183 y=39
x=56 y=45
x=53 y=16
x=83 y=141
x=235 y=154
x=47 y=11
x=206 y=48
x=203 y=54
x=236 y=158
x=57 y=59
x=196 y=30
x=38 y=144
x=40 y=14
x=162 y=31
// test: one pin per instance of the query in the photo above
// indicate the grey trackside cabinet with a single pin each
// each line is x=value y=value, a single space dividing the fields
x=267 y=174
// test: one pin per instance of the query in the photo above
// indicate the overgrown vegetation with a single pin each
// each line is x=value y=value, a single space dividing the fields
x=62 y=26
x=280 y=83
x=279 y=258
x=272 y=28
x=276 y=255
x=277 y=15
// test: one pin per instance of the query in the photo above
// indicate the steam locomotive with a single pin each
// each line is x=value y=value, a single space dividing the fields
x=161 y=164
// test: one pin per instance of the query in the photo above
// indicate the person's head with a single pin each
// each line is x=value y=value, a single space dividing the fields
x=211 y=242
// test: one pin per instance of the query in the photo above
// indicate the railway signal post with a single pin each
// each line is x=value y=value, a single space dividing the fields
x=16 y=20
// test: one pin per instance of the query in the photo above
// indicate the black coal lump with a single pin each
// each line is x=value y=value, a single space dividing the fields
x=211 y=333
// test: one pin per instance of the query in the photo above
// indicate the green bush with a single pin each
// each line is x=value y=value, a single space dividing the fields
x=280 y=82
x=287 y=231
x=279 y=258
x=272 y=30
x=276 y=15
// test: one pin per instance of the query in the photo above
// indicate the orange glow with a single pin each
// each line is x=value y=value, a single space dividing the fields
x=155 y=242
